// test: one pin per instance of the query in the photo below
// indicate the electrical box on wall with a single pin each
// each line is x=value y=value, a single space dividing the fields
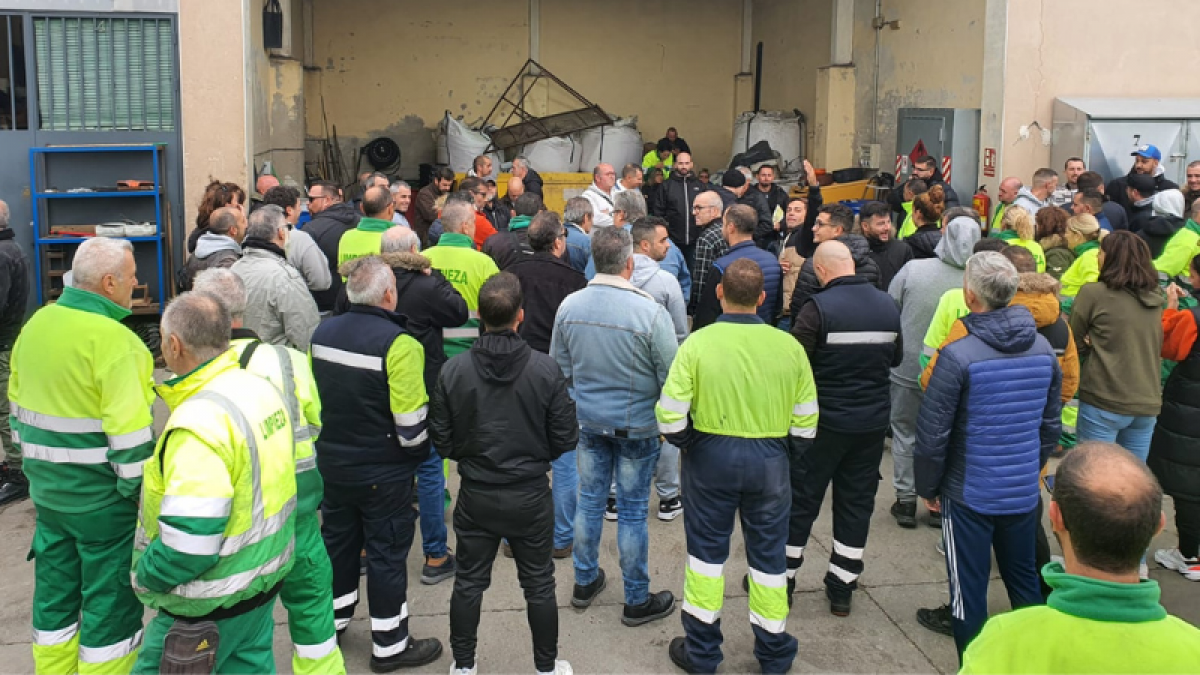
x=949 y=135
x=870 y=156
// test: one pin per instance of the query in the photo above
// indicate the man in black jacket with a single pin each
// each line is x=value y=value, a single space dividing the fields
x=14 y=293
x=1146 y=162
x=531 y=179
x=775 y=195
x=925 y=168
x=502 y=412
x=331 y=219
x=508 y=247
x=834 y=221
x=889 y=254
x=546 y=279
x=673 y=202
x=851 y=331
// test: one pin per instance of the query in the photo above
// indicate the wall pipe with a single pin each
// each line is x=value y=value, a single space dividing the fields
x=758 y=65
x=878 y=24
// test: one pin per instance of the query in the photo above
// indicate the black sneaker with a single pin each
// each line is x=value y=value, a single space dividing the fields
x=15 y=487
x=935 y=519
x=418 y=653
x=679 y=655
x=937 y=620
x=670 y=509
x=435 y=574
x=839 y=601
x=610 y=510
x=659 y=605
x=584 y=595
x=905 y=514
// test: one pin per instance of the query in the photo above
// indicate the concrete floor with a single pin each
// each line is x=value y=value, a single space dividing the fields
x=903 y=572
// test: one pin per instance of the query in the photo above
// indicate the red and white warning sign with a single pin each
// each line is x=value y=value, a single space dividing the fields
x=918 y=152
x=946 y=169
x=989 y=162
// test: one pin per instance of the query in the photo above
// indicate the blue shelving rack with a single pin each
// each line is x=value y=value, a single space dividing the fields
x=42 y=237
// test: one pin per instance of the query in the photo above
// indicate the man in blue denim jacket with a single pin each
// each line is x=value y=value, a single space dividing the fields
x=615 y=345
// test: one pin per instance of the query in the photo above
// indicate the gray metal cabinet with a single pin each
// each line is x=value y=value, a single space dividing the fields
x=1106 y=131
x=950 y=136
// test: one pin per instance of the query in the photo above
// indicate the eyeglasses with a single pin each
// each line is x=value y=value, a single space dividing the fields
x=701 y=207
x=313 y=198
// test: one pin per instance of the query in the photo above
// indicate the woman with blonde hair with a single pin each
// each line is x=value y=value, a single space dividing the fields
x=1083 y=236
x=1018 y=229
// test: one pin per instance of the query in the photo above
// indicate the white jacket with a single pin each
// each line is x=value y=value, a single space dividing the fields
x=308 y=259
x=602 y=205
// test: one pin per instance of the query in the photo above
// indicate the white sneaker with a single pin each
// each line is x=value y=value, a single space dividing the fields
x=473 y=670
x=1172 y=559
x=1144 y=571
x=560 y=668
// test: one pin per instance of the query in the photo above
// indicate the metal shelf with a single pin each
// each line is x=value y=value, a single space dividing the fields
x=96 y=195
x=45 y=241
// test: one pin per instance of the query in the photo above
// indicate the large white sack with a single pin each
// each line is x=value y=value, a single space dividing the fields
x=781 y=130
x=554 y=155
x=616 y=144
x=459 y=145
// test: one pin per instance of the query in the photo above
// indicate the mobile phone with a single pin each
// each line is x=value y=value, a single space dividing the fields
x=1048 y=481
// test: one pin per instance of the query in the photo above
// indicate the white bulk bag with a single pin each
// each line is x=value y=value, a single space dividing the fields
x=781 y=130
x=459 y=145
x=616 y=144
x=554 y=155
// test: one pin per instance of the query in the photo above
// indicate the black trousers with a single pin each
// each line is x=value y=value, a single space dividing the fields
x=381 y=519
x=1187 y=521
x=851 y=463
x=524 y=515
x=1041 y=548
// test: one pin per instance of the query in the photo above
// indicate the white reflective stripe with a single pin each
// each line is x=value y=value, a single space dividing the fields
x=129 y=470
x=112 y=652
x=65 y=455
x=795 y=551
x=847 y=551
x=411 y=418
x=863 y=337
x=49 y=638
x=301 y=434
x=221 y=588
x=769 y=625
x=416 y=441
x=196 y=507
x=705 y=615
x=259 y=531
x=319 y=651
x=803 y=432
x=1074 y=403
x=768 y=580
x=382 y=652
x=705 y=569
x=460 y=333
x=672 y=427
x=307 y=464
x=672 y=405
x=131 y=439
x=842 y=574
x=1068 y=429
x=346 y=600
x=192 y=544
x=390 y=623
x=472 y=314
x=929 y=351
x=314 y=430
x=341 y=624
x=65 y=425
x=346 y=358
x=791 y=574
x=807 y=408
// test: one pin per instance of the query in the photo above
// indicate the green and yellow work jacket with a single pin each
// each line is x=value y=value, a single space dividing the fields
x=364 y=240
x=466 y=269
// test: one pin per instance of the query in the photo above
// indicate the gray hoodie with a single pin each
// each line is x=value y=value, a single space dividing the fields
x=1028 y=201
x=919 y=286
x=210 y=243
x=664 y=288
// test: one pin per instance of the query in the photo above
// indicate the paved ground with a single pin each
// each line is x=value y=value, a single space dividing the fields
x=903 y=572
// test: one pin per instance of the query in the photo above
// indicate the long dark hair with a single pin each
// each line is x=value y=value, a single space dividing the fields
x=1127 y=263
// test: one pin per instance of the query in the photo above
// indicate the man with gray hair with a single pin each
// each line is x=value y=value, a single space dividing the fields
x=987 y=424
x=370 y=376
x=615 y=344
x=531 y=179
x=630 y=206
x=81 y=390
x=401 y=200
x=631 y=178
x=578 y=221
x=279 y=309
x=14 y=294
x=465 y=267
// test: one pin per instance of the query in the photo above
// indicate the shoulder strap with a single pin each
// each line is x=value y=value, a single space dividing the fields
x=247 y=354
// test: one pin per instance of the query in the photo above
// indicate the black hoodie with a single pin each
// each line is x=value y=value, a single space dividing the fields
x=502 y=411
x=326 y=228
x=1158 y=231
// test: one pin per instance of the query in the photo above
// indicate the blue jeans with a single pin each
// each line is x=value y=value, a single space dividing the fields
x=566 y=493
x=633 y=461
x=431 y=486
x=1128 y=431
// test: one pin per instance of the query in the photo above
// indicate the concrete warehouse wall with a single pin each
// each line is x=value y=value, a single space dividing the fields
x=392 y=69
x=1068 y=48
x=277 y=96
x=796 y=39
x=934 y=60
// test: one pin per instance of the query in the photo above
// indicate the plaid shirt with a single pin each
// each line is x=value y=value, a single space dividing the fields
x=710 y=246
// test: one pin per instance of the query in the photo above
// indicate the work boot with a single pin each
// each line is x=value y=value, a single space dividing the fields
x=15 y=487
x=679 y=655
x=905 y=514
x=584 y=595
x=937 y=620
x=437 y=570
x=564 y=552
x=418 y=653
x=657 y=606
x=935 y=519
x=839 y=600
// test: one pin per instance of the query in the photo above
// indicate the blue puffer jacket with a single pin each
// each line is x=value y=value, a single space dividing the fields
x=990 y=416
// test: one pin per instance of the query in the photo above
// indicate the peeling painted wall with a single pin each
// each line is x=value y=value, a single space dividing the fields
x=796 y=42
x=277 y=100
x=934 y=60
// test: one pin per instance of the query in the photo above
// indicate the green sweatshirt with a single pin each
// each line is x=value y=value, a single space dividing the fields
x=1087 y=626
x=1119 y=336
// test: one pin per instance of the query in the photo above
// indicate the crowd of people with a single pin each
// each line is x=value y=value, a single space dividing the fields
x=736 y=346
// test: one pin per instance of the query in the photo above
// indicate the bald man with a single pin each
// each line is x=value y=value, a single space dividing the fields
x=1009 y=188
x=851 y=331
x=1101 y=616
x=600 y=194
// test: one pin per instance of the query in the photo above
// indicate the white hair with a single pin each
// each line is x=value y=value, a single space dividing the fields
x=201 y=322
x=395 y=187
x=632 y=203
x=368 y=281
x=266 y=222
x=992 y=278
x=226 y=286
x=97 y=258
x=521 y=161
x=399 y=239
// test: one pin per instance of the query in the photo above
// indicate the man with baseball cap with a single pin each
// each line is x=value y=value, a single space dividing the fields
x=1140 y=189
x=1147 y=160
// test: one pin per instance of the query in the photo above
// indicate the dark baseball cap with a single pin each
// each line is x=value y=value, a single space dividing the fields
x=733 y=179
x=1143 y=183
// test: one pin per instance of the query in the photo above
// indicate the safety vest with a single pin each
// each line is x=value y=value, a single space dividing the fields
x=995 y=225
x=907 y=225
x=1084 y=270
x=289 y=371
x=362 y=241
x=219 y=494
x=1177 y=255
x=81 y=388
x=466 y=269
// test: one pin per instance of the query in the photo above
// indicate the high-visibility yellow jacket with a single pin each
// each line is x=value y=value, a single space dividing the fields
x=362 y=241
x=1084 y=270
x=216 y=525
x=81 y=389
x=466 y=269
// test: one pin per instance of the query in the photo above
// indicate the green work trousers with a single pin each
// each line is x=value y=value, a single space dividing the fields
x=86 y=618
x=307 y=594
x=244 y=647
